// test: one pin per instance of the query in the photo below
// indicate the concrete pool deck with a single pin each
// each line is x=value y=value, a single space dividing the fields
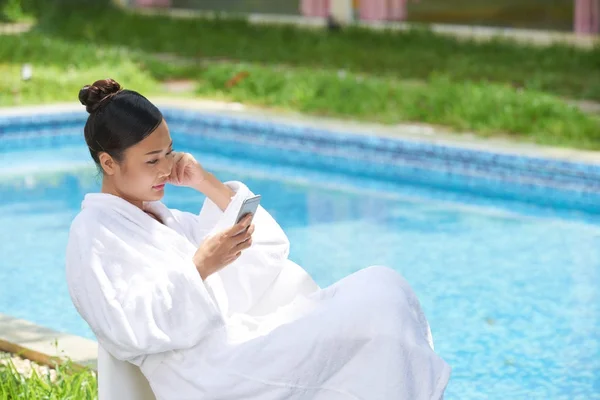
x=43 y=342
x=405 y=131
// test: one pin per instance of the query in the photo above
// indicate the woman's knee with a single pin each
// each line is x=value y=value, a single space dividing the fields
x=384 y=275
x=374 y=283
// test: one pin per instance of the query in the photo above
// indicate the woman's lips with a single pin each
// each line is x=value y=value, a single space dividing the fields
x=159 y=187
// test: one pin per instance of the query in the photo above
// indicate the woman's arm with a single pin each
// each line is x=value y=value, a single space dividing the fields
x=215 y=190
x=186 y=171
x=137 y=297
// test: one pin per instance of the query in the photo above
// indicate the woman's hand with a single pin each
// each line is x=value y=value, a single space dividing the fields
x=186 y=171
x=218 y=251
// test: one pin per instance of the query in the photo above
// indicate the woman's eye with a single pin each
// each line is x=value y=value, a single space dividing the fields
x=156 y=161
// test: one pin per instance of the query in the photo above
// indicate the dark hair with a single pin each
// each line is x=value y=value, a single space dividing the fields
x=118 y=118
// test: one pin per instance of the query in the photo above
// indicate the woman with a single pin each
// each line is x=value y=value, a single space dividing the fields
x=209 y=309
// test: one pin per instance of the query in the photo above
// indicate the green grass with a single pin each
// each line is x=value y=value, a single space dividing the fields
x=12 y=11
x=482 y=107
x=496 y=88
x=61 y=68
x=70 y=384
x=416 y=54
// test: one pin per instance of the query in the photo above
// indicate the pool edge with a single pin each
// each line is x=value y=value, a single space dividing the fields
x=43 y=345
x=406 y=131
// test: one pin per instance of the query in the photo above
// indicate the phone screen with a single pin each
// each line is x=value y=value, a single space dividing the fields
x=249 y=206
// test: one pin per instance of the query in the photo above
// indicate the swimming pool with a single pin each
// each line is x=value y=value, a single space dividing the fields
x=503 y=252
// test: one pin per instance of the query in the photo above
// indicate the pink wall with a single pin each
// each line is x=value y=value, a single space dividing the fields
x=587 y=16
x=369 y=10
x=314 y=8
x=152 y=3
x=382 y=10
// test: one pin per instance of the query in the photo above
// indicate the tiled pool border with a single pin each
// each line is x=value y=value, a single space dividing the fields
x=388 y=155
x=404 y=131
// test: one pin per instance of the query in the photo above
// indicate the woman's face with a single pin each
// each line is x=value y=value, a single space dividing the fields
x=144 y=170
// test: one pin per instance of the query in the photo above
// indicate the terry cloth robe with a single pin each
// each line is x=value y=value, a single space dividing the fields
x=258 y=329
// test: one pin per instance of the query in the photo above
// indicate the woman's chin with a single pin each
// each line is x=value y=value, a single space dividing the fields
x=157 y=193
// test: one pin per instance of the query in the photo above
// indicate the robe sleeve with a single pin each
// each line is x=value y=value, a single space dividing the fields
x=136 y=300
x=247 y=279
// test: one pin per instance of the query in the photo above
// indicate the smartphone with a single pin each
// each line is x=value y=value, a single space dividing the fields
x=249 y=206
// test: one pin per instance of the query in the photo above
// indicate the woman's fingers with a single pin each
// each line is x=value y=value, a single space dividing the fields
x=243 y=241
x=239 y=238
x=240 y=228
x=173 y=177
x=233 y=257
x=244 y=236
x=180 y=169
x=244 y=244
x=173 y=174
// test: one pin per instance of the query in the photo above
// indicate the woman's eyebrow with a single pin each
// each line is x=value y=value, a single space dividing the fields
x=157 y=151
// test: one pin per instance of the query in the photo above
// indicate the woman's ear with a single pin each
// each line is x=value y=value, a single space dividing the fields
x=107 y=163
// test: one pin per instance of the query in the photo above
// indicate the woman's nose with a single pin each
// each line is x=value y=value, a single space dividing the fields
x=166 y=167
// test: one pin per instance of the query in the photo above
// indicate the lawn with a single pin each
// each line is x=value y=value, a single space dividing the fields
x=492 y=88
x=68 y=384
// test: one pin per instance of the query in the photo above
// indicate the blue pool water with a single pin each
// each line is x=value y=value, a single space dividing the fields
x=511 y=290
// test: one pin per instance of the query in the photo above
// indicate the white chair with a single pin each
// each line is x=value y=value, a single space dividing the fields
x=120 y=379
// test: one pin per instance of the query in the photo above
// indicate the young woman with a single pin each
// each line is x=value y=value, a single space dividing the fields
x=210 y=309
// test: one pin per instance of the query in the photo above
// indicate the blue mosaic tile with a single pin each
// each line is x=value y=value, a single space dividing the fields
x=486 y=173
x=40 y=123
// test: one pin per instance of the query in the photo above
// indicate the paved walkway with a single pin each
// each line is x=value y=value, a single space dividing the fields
x=405 y=131
x=15 y=29
x=43 y=342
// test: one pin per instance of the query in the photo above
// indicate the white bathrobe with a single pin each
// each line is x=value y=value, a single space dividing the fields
x=258 y=329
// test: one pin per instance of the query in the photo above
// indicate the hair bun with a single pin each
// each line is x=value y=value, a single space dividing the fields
x=94 y=95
